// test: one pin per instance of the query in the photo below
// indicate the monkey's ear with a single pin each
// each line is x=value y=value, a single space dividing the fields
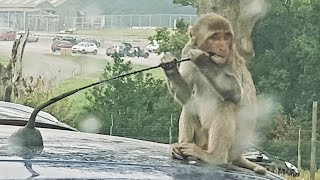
x=191 y=31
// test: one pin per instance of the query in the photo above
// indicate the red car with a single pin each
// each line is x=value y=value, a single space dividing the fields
x=57 y=45
x=7 y=34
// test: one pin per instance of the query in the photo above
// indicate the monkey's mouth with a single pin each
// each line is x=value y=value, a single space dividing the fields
x=215 y=55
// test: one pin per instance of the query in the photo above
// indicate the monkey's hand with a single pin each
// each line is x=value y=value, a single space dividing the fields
x=175 y=152
x=196 y=55
x=191 y=149
x=169 y=63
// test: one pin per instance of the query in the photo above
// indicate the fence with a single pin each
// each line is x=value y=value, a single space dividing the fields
x=137 y=21
x=43 y=21
x=161 y=129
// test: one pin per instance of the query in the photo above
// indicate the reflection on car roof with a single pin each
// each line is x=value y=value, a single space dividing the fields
x=110 y=156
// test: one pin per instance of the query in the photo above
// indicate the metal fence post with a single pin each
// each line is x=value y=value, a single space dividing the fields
x=170 y=129
x=111 y=127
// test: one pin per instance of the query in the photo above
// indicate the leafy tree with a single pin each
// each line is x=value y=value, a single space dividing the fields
x=139 y=105
x=172 y=41
x=286 y=65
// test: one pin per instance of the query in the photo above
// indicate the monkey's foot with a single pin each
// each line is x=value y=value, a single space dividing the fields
x=260 y=170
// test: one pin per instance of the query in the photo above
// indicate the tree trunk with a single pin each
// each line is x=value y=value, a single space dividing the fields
x=11 y=75
x=243 y=14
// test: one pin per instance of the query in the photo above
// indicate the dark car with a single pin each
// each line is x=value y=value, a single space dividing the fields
x=71 y=39
x=58 y=44
x=137 y=52
x=272 y=163
x=122 y=49
x=91 y=40
x=69 y=154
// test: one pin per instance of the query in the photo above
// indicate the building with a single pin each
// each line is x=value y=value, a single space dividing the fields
x=38 y=15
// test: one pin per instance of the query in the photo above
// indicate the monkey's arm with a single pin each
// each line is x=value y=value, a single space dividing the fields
x=177 y=86
x=221 y=77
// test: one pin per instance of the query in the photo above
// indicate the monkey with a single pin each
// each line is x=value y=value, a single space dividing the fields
x=213 y=89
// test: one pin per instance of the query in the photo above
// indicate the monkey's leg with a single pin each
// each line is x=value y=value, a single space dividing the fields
x=220 y=136
x=187 y=125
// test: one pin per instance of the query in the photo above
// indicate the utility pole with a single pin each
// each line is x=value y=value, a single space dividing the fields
x=299 y=150
x=313 y=141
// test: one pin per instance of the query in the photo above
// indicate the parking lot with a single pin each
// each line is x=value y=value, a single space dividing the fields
x=39 y=60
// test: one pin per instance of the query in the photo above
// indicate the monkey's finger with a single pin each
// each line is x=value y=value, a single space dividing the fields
x=176 y=156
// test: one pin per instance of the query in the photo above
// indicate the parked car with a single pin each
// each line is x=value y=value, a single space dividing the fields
x=69 y=154
x=122 y=49
x=92 y=40
x=66 y=31
x=58 y=44
x=32 y=37
x=71 y=39
x=272 y=163
x=85 y=47
x=7 y=34
x=137 y=52
x=153 y=46
x=119 y=49
x=18 y=115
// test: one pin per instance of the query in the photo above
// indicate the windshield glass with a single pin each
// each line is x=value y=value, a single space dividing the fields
x=81 y=44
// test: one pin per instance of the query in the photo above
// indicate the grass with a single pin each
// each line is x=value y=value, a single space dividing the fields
x=4 y=60
x=86 y=79
x=305 y=175
x=129 y=33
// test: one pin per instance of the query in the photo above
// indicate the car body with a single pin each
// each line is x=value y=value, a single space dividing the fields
x=7 y=34
x=119 y=49
x=137 y=52
x=66 y=31
x=77 y=155
x=32 y=36
x=122 y=49
x=71 y=39
x=18 y=114
x=58 y=44
x=271 y=162
x=153 y=46
x=70 y=154
x=85 y=47
x=92 y=40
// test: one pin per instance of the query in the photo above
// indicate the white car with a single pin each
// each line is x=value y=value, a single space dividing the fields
x=85 y=47
x=32 y=37
x=153 y=46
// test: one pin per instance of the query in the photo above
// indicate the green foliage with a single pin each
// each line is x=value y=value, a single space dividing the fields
x=139 y=105
x=172 y=41
x=287 y=66
x=186 y=2
x=37 y=92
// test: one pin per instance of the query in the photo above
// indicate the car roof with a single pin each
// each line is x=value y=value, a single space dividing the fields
x=18 y=114
x=69 y=154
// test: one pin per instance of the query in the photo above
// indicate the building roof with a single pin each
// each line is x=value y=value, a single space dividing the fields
x=28 y=3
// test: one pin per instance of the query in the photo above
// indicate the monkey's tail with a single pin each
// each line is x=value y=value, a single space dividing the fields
x=245 y=163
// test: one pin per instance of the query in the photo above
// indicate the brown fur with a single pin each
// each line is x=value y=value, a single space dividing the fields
x=213 y=92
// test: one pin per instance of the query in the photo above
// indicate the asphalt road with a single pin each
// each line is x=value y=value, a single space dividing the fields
x=39 y=60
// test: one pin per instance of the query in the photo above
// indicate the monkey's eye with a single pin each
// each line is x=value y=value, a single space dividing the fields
x=228 y=36
x=215 y=37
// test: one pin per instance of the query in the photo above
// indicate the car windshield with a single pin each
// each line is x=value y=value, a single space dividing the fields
x=81 y=44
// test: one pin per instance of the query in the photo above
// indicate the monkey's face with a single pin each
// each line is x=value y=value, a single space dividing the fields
x=218 y=44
